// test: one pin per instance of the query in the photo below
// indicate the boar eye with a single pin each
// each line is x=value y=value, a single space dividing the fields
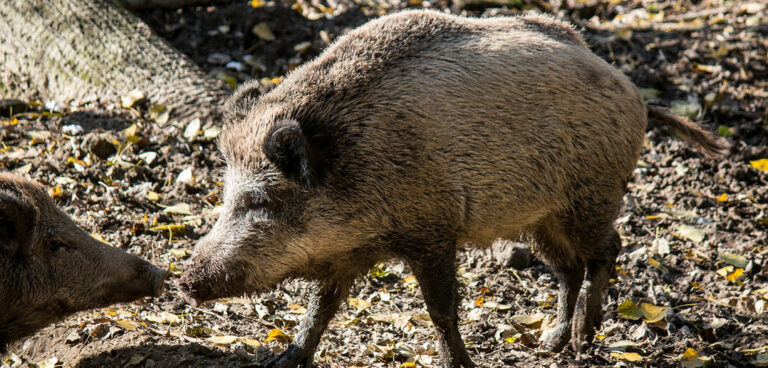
x=58 y=244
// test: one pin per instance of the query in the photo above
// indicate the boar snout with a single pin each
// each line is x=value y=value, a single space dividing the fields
x=206 y=280
x=136 y=280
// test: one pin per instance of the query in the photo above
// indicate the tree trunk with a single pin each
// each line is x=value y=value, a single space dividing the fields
x=72 y=49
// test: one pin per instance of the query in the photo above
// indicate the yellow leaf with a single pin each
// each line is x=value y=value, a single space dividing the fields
x=152 y=196
x=725 y=271
x=628 y=357
x=653 y=313
x=408 y=364
x=278 y=335
x=513 y=339
x=629 y=310
x=223 y=340
x=692 y=359
x=358 y=303
x=761 y=164
x=723 y=198
x=479 y=301
x=126 y=325
x=257 y=3
x=653 y=262
x=735 y=274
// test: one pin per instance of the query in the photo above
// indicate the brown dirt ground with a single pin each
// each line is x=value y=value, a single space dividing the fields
x=707 y=54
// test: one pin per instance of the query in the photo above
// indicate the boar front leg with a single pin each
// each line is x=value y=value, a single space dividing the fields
x=324 y=301
x=436 y=274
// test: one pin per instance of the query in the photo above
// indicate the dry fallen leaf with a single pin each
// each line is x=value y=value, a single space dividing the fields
x=163 y=317
x=629 y=310
x=223 y=340
x=733 y=259
x=358 y=303
x=734 y=275
x=533 y=321
x=625 y=346
x=131 y=98
x=761 y=164
x=692 y=359
x=479 y=301
x=126 y=325
x=251 y=342
x=689 y=232
x=653 y=313
x=297 y=309
x=628 y=357
x=178 y=209
x=178 y=253
x=262 y=31
x=278 y=335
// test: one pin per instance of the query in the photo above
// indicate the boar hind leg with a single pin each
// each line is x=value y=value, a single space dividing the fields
x=324 y=301
x=556 y=250
x=589 y=313
x=436 y=274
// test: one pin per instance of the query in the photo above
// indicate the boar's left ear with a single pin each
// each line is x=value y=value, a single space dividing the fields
x=288 y=148
x=14 y=221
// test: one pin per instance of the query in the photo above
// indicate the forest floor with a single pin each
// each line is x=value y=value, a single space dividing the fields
x=691 y=284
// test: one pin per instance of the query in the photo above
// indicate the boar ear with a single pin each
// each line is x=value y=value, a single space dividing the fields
x=14 y=221
x=288 y=149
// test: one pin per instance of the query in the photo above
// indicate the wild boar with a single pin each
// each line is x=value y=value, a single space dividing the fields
x=412 y=136
x=50 y=267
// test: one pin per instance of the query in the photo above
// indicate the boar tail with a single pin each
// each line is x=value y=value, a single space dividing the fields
x=689 y=131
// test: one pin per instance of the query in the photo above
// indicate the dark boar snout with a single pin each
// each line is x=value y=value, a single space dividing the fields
x=143 y=279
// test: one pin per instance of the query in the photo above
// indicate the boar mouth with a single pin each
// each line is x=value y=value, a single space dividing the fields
x=196 y=288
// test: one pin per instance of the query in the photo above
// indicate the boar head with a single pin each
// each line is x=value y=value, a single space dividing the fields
x=276 y=220
x=50 y=267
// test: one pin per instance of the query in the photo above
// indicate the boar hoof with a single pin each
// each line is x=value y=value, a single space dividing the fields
x=555 y=339
x=294 y=357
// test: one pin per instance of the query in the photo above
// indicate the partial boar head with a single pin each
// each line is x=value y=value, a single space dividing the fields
x=50 y=267
x=273 y=200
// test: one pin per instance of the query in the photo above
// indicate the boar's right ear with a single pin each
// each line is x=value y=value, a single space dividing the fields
x=14 y=221
x=287 y=148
